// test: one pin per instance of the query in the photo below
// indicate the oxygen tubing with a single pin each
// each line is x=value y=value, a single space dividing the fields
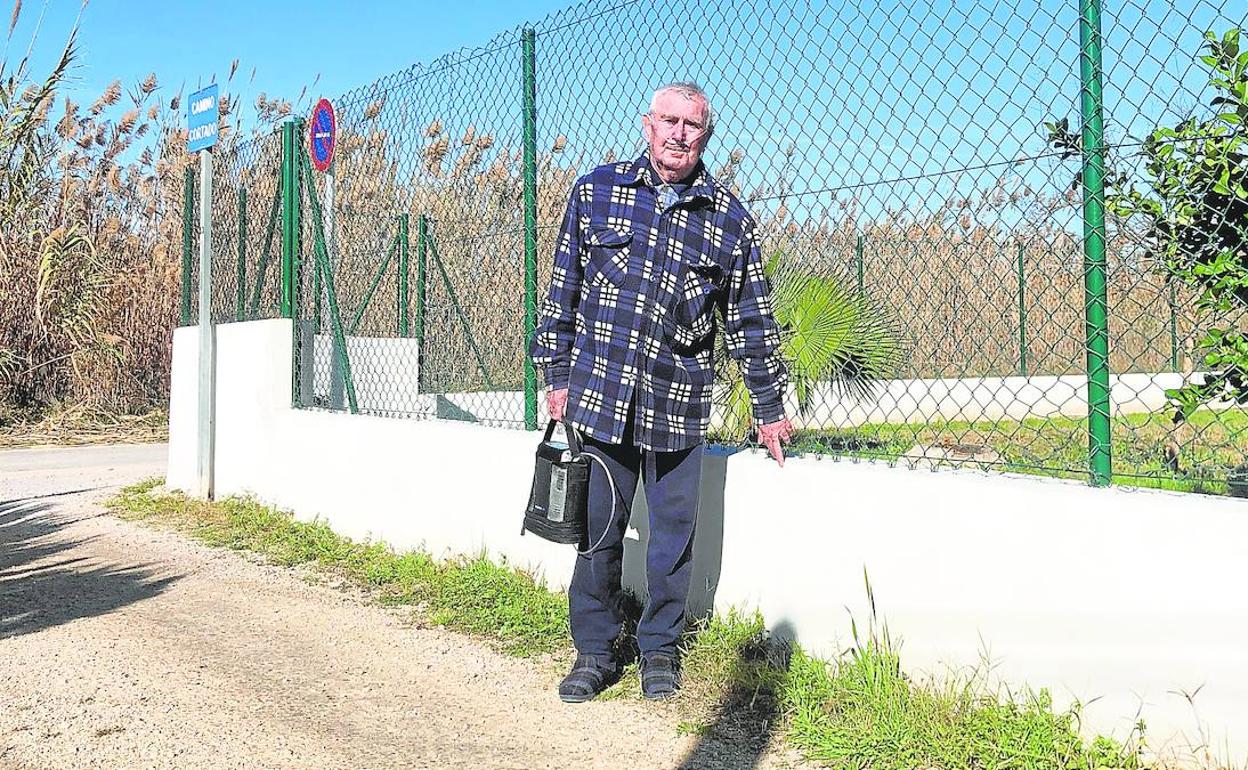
x=614 y=494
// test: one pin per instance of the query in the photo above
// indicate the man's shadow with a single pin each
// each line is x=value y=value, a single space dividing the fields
x=740 y=729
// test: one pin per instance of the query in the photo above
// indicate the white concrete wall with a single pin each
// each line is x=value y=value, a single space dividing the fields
x=184 y=408
x=385 y=375
x=1118 y=598
x=386 y=372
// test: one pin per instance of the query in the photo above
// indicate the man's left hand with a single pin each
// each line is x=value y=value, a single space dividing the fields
x=773 y=435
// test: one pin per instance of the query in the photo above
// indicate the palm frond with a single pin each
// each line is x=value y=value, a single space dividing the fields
x=831 y=336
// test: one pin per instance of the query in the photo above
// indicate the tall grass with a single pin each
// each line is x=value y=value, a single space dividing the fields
x=90 y=250
x=85 y=254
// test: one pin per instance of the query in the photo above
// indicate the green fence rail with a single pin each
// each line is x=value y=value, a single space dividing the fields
x=958 y=175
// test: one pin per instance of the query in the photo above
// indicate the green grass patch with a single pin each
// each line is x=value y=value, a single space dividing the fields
x=859 y=711
x=472 y=596
x=1146 y=448
x=732 y=656
x=864 y=712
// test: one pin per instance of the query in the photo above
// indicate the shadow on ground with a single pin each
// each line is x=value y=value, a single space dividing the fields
x=738 y=732
x=46 y=579
x=740 y=729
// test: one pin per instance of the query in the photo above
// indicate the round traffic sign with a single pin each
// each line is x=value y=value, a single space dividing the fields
x=322 y=133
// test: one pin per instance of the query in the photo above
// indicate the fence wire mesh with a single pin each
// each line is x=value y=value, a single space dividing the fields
x=915 y=169
x=246 y=235
x=418 y=226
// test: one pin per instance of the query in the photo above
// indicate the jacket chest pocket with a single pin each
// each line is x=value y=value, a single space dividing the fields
x=703 y=279
x=606 y=255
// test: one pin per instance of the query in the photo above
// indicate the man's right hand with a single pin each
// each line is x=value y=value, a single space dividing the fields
x=774 y=435
x=557 y=403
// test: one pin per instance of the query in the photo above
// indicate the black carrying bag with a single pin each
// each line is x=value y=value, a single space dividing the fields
x=558 y=501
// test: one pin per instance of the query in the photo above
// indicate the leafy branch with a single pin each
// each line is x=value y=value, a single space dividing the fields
x=1192 y=206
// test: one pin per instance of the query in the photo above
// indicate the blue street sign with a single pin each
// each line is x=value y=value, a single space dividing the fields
x=201 y=119
x=322 y=134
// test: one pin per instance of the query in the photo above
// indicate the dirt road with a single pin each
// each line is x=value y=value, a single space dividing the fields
x=125 y=646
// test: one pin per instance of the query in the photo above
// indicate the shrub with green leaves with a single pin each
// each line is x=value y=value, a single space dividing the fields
x=1191 y=210
x=1194 y=205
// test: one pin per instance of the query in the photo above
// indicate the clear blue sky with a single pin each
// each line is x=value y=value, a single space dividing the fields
x=347 y=43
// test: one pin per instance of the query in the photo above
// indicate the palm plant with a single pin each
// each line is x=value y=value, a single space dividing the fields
x=830 y=335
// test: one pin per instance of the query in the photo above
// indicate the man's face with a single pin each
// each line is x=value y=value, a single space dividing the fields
x=676 y=132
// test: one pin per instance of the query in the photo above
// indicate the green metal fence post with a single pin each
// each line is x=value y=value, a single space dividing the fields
x=320 y=256
x=372 y=287
x=289 y=204
x=291 y=267
x=299 y=157
x=263 y=268
x=403 y=326
x=460 y=314
x=1022 y=313
x=530 y=223
x=240 y=312
x=318 y=289
x=1096 y=299
x=422 y=250
x=858 y=262
x=188 y=232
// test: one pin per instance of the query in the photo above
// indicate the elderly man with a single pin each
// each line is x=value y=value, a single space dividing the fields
x=648 y=250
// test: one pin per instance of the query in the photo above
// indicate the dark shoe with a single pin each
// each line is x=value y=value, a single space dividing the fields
x=590 y=675
x=658 y=676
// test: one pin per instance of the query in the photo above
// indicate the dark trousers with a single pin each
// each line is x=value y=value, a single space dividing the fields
x=595 y=596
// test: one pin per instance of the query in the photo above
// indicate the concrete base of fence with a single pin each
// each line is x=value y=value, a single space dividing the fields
x=1122 y=599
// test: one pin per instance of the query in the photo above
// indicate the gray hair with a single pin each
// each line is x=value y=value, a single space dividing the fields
x=689 y=90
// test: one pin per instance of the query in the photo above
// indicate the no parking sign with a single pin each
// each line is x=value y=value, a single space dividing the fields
x=322 y=133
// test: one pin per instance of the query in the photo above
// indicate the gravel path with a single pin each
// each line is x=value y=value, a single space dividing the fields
x=125 y=646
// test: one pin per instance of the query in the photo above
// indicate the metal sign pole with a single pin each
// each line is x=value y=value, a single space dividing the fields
x=322 y=136
x=336 y=381
x=207 y=333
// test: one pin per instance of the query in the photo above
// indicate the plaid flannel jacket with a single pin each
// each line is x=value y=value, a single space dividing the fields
x=630 y=312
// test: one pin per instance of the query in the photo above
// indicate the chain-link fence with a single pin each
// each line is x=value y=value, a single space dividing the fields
x=246 y=235
x=930 y=174
x=417 y=225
